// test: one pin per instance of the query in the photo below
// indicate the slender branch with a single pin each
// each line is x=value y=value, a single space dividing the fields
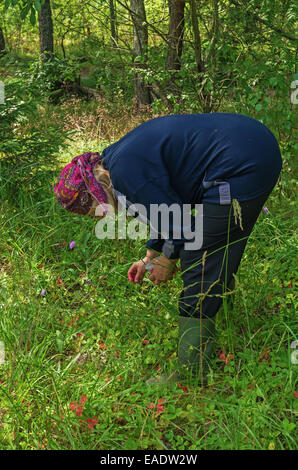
x=197 y=37
x=267 y=23
x=274 y=28
x=145 y=21
x=214 y=31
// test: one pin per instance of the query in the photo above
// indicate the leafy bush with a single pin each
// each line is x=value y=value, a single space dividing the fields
x=54 y=77
x=27 y=147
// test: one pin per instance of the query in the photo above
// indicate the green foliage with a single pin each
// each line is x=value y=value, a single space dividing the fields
x=25 y=146
x=109 y=69
x=51 y=76
x=27 y=7
x=97 y=338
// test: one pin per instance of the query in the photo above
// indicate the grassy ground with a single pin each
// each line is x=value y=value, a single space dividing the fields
x=80 y=340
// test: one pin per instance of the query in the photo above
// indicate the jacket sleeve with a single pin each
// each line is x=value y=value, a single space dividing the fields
x=155 y=244
x=166 y=238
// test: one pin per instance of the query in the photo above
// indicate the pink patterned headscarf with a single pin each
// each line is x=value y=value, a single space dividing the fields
x=77 y=185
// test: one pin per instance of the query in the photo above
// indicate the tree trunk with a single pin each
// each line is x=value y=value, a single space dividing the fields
x=211 y=58
x=46 y=42
x=175 y=34
x=142 y=93
x=2 y=43
x=202 y=66
x=197 y=37
x=114 y=35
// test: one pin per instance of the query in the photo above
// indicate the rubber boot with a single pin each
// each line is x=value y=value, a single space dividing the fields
x=195 y=347
x=196 y=339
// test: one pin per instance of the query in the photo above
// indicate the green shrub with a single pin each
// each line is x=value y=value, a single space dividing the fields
x=27 y=146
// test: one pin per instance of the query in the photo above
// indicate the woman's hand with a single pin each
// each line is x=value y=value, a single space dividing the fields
x=163 y=270
x=137 y=271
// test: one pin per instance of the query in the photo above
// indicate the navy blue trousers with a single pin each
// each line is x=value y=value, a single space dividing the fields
x=206 y=281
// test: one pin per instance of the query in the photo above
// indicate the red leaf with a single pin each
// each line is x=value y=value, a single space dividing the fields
x=151 y=406
x=185 y=389
x=79 y=410
x=83 y=399
x=73 y=405
x=91 y=422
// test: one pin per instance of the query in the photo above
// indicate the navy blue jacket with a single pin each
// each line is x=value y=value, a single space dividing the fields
x=190 y=159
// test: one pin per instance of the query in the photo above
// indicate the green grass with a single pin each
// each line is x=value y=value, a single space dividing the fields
x=104 y=339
